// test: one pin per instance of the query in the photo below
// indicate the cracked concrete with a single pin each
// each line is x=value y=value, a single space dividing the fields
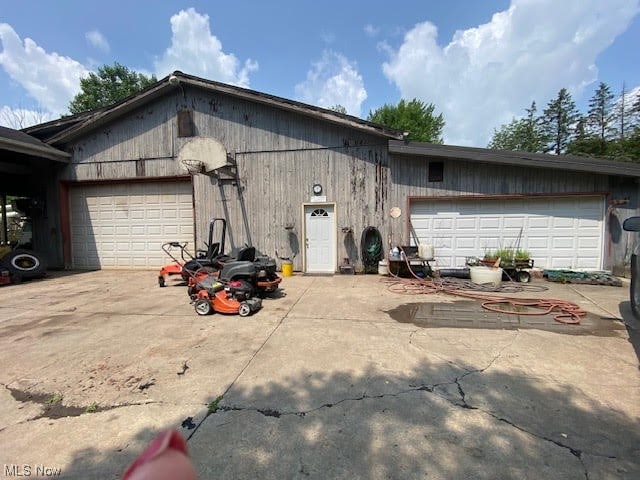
x=321 y=383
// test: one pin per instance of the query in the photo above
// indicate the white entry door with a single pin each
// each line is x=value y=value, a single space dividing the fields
x=320 y=249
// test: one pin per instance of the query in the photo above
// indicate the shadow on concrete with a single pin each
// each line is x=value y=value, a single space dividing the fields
x=440 y=422
x=447 y=421
x=94 y=463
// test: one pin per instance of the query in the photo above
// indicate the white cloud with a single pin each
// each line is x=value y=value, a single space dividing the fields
x=487 y=75
x=194 y=50
x=333 y=80
x=98 y=40
x=51 y=79
x=370 y=30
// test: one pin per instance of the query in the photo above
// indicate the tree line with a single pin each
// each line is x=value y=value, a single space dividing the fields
x=609 y=129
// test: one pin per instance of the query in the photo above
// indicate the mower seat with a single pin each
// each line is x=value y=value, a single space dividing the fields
x=246 y=254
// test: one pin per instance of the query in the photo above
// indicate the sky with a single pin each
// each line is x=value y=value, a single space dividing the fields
x=480 y=62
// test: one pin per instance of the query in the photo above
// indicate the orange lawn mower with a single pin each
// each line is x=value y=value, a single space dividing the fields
x=224 y=289
x=232 y=297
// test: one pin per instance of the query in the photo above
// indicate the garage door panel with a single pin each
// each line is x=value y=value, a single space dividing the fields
x=560 y=222
x=589 y=243
x=124 y=225
x=490 y=223
x=171 y=213
x=466 y=224
x=514 y=222
x=465 y=243
x=538 y=222
x=559 y=243
x=558 y=232
x=442 y=224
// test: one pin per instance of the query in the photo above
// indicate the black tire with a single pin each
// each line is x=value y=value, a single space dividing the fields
x=523 y=277
x=24 y=264
x=203 y=307
x=244 y=310
x=161 y=281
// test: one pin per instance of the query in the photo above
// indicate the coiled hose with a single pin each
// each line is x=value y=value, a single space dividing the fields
x=566 y=312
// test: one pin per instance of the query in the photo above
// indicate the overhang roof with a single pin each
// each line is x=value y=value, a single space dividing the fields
x=98 y=118
x=20 y=142
x=503 y=157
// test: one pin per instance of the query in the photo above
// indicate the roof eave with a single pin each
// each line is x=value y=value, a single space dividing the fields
x=294 y=106
x=102 y=117
x=503 y=157
x=42 y=151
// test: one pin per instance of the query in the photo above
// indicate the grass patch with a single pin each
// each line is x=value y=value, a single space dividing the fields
x=54 y=399
x=93 y=408
x=212 y=406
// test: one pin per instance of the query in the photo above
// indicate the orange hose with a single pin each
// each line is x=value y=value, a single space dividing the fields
x=566 y=312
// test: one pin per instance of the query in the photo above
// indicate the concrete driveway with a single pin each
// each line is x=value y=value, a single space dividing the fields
x=338 y=378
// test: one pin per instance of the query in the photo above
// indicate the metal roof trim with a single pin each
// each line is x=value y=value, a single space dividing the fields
x=503 y=157
x=108 y=114
x=36 y=150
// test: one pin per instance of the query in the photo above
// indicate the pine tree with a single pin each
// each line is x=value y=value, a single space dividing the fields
x=558 y=122
x=533 y=135
x=520 y=134
x=600 y=116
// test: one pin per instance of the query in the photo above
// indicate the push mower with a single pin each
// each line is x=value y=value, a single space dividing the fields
x=174 y=268
x=224 y=297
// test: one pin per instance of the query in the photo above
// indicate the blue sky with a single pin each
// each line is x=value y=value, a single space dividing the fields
x=481 y=62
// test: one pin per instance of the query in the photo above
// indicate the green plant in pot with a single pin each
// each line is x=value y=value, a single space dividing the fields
x=489 y=256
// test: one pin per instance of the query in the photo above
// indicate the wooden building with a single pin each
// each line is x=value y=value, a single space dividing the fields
x=305 y=182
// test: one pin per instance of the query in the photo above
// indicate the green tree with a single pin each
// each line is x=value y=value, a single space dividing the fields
x=339 y=109
x=415 y=117
x=585 y=143
x=111 y=84
x=507 y=137
x=600 y=118
x=558 y=122
x=520 y=134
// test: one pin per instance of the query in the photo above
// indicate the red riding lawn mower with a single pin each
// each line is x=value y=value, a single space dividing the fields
x=240 y=264
x=227 y=289
x=220 y=282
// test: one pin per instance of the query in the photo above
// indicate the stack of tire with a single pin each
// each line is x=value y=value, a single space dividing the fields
x=22 y=264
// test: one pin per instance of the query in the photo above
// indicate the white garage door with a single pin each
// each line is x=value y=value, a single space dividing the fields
x=558 y=232
x=125 y=225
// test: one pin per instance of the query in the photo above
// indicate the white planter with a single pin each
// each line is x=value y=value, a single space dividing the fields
x=483 y=274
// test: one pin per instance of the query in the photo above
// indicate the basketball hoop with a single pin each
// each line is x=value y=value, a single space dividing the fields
x=193 y=166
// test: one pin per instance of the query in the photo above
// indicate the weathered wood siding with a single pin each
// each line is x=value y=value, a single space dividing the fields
x=279 y=156
x=266 y=206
